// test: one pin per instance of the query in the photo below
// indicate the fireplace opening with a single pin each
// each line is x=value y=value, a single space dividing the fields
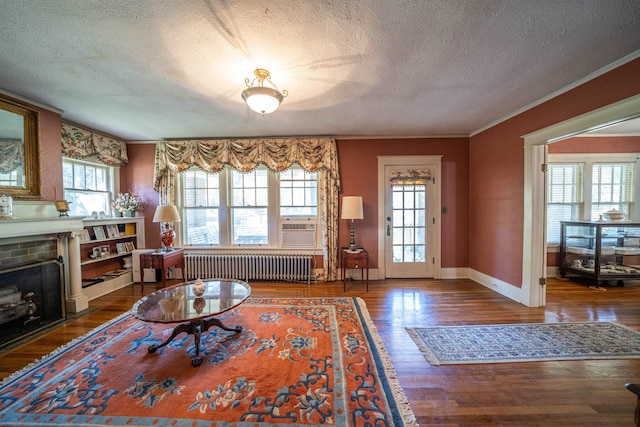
x=31 y=299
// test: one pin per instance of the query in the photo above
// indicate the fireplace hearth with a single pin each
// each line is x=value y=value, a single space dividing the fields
x=31 y=299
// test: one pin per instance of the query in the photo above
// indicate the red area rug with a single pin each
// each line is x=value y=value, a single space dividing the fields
x=296 y=362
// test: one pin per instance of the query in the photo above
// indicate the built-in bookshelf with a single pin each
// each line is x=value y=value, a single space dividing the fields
x=106 y=247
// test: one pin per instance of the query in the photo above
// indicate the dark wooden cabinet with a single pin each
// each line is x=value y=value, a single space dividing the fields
x=354 y=260
x=162 y=260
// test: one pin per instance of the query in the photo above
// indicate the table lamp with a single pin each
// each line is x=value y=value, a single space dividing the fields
x=352 y=209
x=167 y=214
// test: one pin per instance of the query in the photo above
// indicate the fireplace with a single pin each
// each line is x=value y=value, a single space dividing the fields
x=39 y=270
x=31 y=299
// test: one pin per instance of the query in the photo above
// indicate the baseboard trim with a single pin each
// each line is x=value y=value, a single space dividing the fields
x=454 y=273
x=503 y=288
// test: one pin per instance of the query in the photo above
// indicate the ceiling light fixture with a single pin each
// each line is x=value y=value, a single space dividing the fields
x=262 y=99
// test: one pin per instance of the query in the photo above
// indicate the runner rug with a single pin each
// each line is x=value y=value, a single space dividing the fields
x=296 y=362
x=449 y=345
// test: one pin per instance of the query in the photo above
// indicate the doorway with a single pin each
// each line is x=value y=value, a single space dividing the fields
x=409 y=213
x=534 y=242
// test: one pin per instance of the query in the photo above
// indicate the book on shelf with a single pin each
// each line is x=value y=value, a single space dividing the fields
x=129 y=229
x=92 y=281
x=115 y=273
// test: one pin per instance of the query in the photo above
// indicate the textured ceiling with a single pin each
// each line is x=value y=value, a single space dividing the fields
x=153 y=69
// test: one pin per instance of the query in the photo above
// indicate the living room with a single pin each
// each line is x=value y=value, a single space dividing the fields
x=488 y=220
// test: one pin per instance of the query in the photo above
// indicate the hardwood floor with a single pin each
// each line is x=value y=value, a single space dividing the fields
x=568 y=393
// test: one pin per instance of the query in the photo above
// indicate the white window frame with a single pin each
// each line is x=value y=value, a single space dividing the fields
x=113 y=179
x=275 y=221
x=588 y=159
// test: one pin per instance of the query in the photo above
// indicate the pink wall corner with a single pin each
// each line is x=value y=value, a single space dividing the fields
x=496 y=170
x=51 y=155
x=358 y=162
x=137 y=176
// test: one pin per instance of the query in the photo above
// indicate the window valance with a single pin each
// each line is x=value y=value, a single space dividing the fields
x=11 y=155
x=411 y=177
x=312 y=154
x=83 y=144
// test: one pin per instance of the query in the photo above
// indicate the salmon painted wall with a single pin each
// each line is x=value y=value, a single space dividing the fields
x=137 y=176
x=358 y=163
x=51 y=155
x=496 y=171
x=588 y=144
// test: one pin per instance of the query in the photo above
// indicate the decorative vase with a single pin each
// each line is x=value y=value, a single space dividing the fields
x=6 y=206
x=128 y=214
x=199 y=288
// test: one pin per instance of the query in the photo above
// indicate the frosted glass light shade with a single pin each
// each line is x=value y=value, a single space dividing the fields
x=263 y=100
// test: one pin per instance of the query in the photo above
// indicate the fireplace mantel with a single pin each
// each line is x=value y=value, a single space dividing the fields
x=38 y=226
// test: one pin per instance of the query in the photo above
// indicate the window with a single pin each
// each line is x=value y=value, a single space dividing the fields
x=564 y=196
x=583 y=187
x=238 y=208
x=201 y=203
x=612 y=188
x=298 y=193
x=249 y=207
x=88 y=187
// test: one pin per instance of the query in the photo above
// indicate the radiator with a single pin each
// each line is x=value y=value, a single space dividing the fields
x=276 y=267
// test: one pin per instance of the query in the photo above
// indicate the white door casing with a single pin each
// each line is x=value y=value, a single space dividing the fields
x=433 y=164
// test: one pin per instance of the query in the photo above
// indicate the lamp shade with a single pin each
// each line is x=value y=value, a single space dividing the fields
x=352 y=207
x=166 y=214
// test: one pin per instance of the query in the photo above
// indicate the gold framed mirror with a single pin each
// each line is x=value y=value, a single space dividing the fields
x=19 y=151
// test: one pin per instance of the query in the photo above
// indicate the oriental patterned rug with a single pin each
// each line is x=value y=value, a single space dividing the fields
x=448 y=345
x=296 y=362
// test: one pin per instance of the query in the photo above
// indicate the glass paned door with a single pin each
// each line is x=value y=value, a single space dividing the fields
x=409 y=224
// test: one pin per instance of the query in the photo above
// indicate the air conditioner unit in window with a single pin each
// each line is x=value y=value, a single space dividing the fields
x=297 y=235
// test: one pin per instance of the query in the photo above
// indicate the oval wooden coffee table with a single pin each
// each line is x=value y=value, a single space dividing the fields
x=183 y=303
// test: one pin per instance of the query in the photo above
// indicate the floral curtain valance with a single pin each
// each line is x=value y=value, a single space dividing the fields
x=411 y=177
x=11 y=155
x=83 y=144
x=278 y=154
x=312 y=154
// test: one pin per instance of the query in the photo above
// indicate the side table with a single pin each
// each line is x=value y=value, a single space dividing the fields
x=354 y=260
x=162 y=260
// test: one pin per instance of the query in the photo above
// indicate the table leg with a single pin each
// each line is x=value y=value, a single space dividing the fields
x=195 y=328
x=185 y=327
x=142 y=278
x=197 y=360
x=163 y=271
x=367 y=278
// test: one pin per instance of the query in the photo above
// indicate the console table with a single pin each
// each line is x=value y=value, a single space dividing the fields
x=354 y=260
x=162 y=260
